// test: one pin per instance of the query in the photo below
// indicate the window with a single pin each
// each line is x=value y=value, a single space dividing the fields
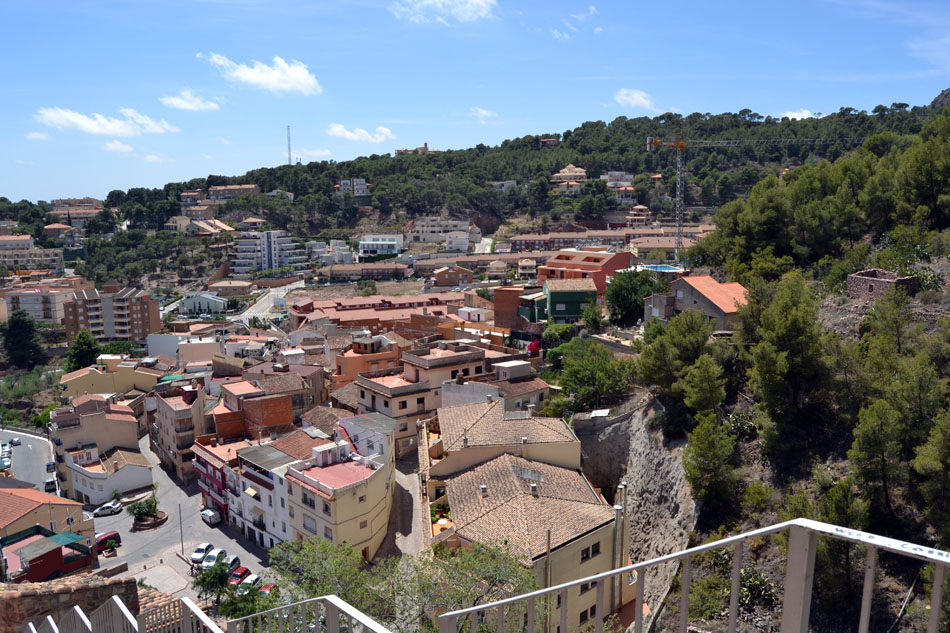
x=70 y=520
x=362 y=393
x=283 y=527
x=291 y=511
x=327 y=533
x=386 y=403
x=585 y=554
x=587 y=586
x=281 y=502
x=309 y=524
x=560 y=307
x=362 y=525
x=595 y=549
x=326 y=508
x=421 y=401
x=402 y=404
x=583 y=616
x=270 y=502
x=404 y=426
x=362 y=498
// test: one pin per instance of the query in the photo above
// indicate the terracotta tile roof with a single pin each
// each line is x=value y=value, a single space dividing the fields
x=571 y=285
x=298 y=444
x=566 y=504
x=16 y=502
x=325 y=418
x=487 y=424
x=727 y=297
x=347 y=396
x=510 y=388
x=273 y=384
x=119 y=458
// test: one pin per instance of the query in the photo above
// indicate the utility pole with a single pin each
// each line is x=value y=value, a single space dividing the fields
x=181 y=531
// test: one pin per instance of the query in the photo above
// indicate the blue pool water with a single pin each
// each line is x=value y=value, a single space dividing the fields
x=663 y=268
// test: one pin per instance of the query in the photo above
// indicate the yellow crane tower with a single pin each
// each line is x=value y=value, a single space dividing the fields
x=682 y=145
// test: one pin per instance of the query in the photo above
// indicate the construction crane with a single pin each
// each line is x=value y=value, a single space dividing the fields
x=681 y=146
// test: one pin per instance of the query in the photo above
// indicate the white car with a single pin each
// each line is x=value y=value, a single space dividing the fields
x=211 y=516
x=200 y=552
x=249 y=583
x=110 y=507
x=214 y=557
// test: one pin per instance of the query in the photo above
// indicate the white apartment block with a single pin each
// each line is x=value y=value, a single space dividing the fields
x=382 y=244
x=354 y=186
x=17 y=252
x=266 y=250
x=432 y=228
x=456 y=241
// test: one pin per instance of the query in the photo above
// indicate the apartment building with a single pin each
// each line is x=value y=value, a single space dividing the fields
x=381 y=244
x=202 y=302
x=18 y=252
x=96 y=449
x=213 y=461
x=112 y=374
x=257 y=251
x=114 y=314
x=260 y=508
x=26 y=508
x=366 y=353
x=412 y=392
x=192 y=197
x=353 y=186
x=343 y=492
x=569 y=173
x=452 y=276
x=76 y=211
x=433 y=228
x=43 y=300
x=228 y=192
x=179 y=418
x=337 y=252
x=584 y=264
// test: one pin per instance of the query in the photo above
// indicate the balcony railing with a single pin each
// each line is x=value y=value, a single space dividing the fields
x=330 y=613
x=799 y=576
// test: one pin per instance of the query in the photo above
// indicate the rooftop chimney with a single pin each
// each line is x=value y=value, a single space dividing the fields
x=534 y=490
x=484 y=490
x=465 y=441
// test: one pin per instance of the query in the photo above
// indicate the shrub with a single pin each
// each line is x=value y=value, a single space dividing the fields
x=757 y=497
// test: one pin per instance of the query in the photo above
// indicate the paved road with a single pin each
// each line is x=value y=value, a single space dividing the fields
x=483 y=246
x=171 y=306
x=30 y=457
x=263 y=305
x=152 y=554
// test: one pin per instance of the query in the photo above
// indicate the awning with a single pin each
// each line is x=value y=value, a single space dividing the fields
x=251 y=492
x=257 y=511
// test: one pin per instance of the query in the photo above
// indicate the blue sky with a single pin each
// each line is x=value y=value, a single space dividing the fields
x=111 y=95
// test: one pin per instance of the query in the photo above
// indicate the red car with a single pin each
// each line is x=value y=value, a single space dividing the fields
x=238 y=575
x=266 y=589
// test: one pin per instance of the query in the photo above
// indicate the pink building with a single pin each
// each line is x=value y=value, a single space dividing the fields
x=211 y=461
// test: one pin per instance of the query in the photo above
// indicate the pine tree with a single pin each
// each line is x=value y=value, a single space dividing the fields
x=83 y=351
x=21 y=340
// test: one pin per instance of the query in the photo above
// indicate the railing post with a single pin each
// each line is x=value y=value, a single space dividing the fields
x=936 y=598
x=684 y=594
x=799 y=577
x=448 y=624
x=868 y=592
x=736 y=580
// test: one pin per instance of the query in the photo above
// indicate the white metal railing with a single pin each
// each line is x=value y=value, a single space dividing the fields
x=182 y=616
x=327 y=613
x=802 y=544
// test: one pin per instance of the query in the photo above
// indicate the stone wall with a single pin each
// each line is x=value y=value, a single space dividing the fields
x=874 y=282
x=31 y=602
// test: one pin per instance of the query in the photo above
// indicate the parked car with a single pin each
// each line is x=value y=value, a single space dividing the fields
x=204 y=317
x=200 y=552
x=233 y=562
x=15 y=441
x=267 y=589
x=248 y=584
x=103 y=538
x=110 y=507
x=211 y=516
x=5 y=463
x=50 y=486
x=214 y=557
x=239 y=575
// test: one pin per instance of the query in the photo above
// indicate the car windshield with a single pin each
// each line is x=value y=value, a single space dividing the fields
x=211 y=557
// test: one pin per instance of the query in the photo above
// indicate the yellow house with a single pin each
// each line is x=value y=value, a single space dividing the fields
x=343 y=495
x=551 y=519
x=24 y=508
x=112 y=373
x=97 y=450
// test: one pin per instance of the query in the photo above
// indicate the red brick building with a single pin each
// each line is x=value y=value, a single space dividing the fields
x=582 y=264
x=114 y=314
x=452 y=276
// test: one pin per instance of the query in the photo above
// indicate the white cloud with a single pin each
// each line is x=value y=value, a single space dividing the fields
x=797 y=114
x=580 y=17
x=635 y=99
x=224 y=141
x=207 y=156
x=117 y=146
x=558 y=35
x=359 y=134
x=185 y=100
x=422 y=11
x=133 y=124
x=280 y=77
x=37 y=136
x=153 y=158
x=482 y=114
x=598 y=31
x=313 y=153
x=569 y=26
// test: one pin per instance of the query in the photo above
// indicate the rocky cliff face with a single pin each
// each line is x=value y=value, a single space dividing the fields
x=659 y=502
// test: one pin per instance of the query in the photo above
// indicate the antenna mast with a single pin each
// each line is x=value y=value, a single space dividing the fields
x=289 y=162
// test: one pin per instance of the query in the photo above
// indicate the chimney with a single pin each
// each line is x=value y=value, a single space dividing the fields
x=465 y=441
x=115 y=465
x=534 y=490
x=484 y=490
x=524 y=445
x=460 y=380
